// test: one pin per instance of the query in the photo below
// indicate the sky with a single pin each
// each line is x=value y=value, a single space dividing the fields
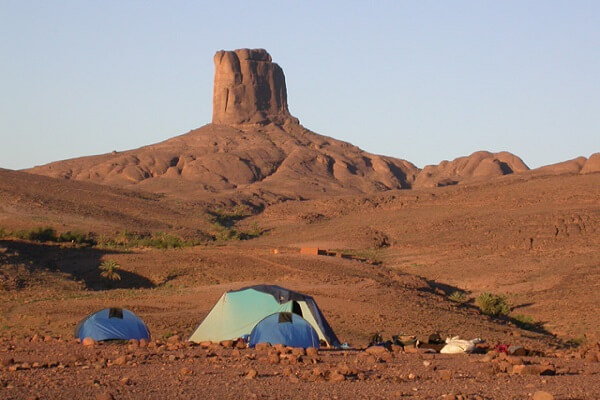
x=422 y=80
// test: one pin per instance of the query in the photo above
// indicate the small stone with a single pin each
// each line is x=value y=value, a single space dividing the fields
x=122 y=360
x=240 y=344
x=174 y=339
x=205 y=345
x=251 y=374
x=517 y=351
x=273 y=358
x=336 y=376
x=262 y=346
x=143 y=343
x=6 y=361
x=445 y=374
x=134 y=342
x=591 y=357
x=185 y=371
x=105 y=396
x=376 y=350
x=125 y=381
x=311 y=351
x=88 y=341
x=228 y=344
x=298 y=351
x=541 y=395
x=412 y=376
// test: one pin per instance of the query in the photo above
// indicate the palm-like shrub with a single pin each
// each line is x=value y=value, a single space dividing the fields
x=109 y=270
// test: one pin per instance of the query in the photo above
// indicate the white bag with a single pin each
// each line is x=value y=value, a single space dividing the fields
x=456 y=345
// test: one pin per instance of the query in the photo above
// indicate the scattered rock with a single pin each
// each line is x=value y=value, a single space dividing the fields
x=541 y=395
x=336 y=376
x=122 y=360
x=6 y=361
x=251 y=374
x=445 y=374
x=186 y=371
x=273 y=358
x=88 y=341
x=228 y=344
x=174 y=339
x=311 y=351
x=240 y=344
x=105 y=396
x=376 y=350
x=262 y=346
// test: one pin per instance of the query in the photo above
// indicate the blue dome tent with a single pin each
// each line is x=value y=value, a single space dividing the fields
x=112 y=324
x=285 y=328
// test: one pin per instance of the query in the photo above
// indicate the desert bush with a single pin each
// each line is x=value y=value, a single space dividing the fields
x=158 y=240
x=576 y=341
x=526 y=322
x=223 y=233
x=492 y=304
x=109 y=270
x=76 y=237
x=458 y=297
x=163 y=240
x=40 y=234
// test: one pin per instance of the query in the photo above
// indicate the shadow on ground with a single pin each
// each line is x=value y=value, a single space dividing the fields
x=446 y=291
x=79 y=263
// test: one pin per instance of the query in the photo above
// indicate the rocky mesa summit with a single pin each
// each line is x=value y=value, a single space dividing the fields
x=255 y=150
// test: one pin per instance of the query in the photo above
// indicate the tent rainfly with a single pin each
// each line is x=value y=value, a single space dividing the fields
x=285 y=328
x=238 y=311
x=112 y=324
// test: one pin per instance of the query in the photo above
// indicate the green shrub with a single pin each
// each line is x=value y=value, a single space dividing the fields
x=526 y=322
x=576 y=341
x=492 y=304
x=76 y=237
x=458 y=297
x=40 y=234
x=109 y=270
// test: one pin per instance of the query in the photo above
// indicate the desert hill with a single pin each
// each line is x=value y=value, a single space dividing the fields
x=256 y=151
x=253 y=149
x=28 y=200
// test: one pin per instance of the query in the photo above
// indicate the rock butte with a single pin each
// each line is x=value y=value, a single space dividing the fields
x=249 y=89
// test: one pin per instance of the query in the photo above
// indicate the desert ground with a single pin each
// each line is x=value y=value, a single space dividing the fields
x=415 y=249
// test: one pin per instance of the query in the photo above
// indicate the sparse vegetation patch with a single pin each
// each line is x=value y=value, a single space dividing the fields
x=458 y=296
x=492 y=304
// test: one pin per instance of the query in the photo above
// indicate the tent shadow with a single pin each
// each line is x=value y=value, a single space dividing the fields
x=78 y=263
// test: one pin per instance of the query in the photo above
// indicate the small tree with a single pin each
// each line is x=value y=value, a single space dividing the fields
x=109 y=270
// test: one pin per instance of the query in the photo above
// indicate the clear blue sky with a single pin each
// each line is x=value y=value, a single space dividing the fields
x=419 y=80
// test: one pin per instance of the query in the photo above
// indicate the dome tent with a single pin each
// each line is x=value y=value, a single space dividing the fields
x=238 y=311
x=112 y=324
x=284 y=328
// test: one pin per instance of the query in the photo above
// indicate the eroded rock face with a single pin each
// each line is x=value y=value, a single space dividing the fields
x=249 y=89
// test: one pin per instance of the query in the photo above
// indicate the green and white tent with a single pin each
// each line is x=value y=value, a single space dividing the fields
x=238 y=311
